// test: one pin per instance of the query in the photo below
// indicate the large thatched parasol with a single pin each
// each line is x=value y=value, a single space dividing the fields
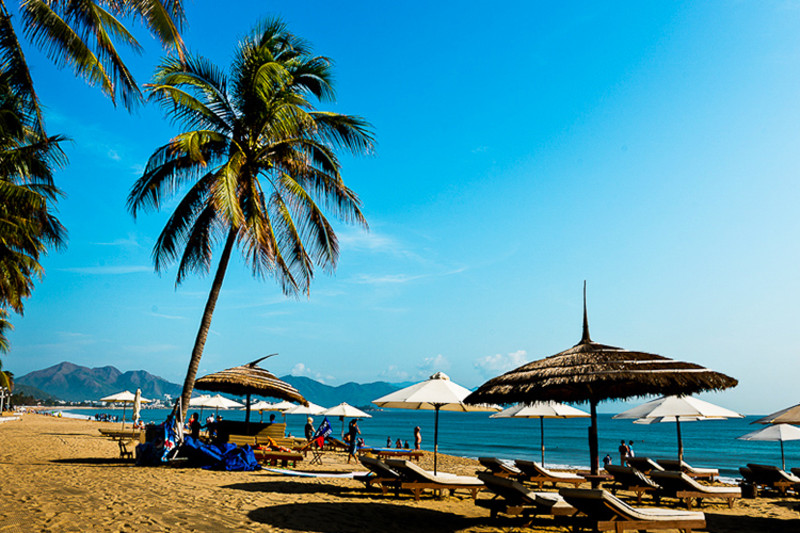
x=592 y=372
x=247 y=380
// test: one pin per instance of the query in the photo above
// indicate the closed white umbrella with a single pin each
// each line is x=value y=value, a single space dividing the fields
x=137 y=406
x=436 y=393
x=345 y=410
x=677 y=409
x=776 y=432
x=541 y=410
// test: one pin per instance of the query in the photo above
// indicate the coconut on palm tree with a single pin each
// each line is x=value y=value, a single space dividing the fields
x=256 y=164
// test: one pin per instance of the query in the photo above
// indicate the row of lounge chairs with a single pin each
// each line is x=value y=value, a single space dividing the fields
x=771 y=478
x=595 y=509
x=654 y=480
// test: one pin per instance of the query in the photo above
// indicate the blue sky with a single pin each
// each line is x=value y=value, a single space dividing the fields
x=650 y=148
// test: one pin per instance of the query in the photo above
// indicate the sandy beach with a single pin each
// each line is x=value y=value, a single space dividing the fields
x=61 y=475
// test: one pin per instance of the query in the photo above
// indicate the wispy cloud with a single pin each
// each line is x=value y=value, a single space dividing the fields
x=302 y=370
x=492 y=365
x=168 y=317
x=111 y=270
x=433 y=364
x=393 y=279
x=131 y=241
x=149 y=348
x=394 y=373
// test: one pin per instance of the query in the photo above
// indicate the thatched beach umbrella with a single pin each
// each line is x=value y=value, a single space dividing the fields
x=593 y=372
x=247 y=380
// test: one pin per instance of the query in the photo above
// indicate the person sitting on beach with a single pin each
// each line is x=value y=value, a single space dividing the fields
x=194 y=426
x=352 y=433
x=417 y=438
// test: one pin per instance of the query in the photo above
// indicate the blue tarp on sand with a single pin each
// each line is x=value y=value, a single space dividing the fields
x=225 y=456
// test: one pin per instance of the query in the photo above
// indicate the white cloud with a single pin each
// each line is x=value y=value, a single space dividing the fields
x=492 y=365
x=131 y=240
x=394 y=373
x=366 y=241
x=429 y=365
x=168 y=317
x=302 y=370
x=113 y=155
x=386 y=279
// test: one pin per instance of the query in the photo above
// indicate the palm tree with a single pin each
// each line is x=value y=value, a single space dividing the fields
x=85 y=35
x=257 y=163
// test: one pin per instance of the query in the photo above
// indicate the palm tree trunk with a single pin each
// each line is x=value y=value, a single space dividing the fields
x=205 y=323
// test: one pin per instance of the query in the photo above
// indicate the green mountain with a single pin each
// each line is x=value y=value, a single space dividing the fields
x=356 y=394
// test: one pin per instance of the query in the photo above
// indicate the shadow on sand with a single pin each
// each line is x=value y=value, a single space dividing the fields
x=721 y=522
x=288 y=487
x=331 y=517
x=96 y=461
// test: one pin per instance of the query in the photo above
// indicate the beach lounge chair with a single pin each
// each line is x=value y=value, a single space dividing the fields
x=382 y=475
x=416 y=479
x=645 y=465
x=513 y=498
x=536 y=473
x=393 y=453
x=674 y=465
x=628 y=478
x=499 y=468
x=679 y=485
x=606 y=512
x=772 y=477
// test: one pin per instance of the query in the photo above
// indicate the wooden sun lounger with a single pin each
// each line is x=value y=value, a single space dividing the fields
x=645 y=465
x=272 y=458
x=499 y=468
x=416 y=479
x=628 y=478
x=772 y=477
x=394 y=453
x=679 y=485
x=674 y=465
x=606 y=512
x=382 y=475
x=536 y=473
x=513 y=498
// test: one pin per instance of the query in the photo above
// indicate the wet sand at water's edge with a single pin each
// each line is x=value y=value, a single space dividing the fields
x=61 y=475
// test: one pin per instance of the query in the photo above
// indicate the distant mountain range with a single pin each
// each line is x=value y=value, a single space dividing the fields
x=74 y=383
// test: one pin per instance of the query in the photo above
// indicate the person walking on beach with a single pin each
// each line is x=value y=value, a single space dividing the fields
x=309 y=429
x=352 y=432
x=623 y=453
x=630 y=449
x=417 y=438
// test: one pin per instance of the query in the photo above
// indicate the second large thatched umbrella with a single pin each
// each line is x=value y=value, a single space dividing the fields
x=247 y=380
x=592 y=372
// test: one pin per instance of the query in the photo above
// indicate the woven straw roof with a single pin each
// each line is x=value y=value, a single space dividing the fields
x=249 y=379
x=590 y=371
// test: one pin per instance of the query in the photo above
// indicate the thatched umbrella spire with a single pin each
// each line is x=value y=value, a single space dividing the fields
x=593 y=372
x=585 y=339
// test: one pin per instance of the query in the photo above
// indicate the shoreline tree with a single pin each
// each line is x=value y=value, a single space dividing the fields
x=257 y=165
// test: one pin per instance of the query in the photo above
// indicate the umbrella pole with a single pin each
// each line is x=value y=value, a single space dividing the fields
x=541 y=432
x=594 y=458
x=124 y=405
x=680 y=440
x=435 y=438
x=247 y=416
x=783 y=460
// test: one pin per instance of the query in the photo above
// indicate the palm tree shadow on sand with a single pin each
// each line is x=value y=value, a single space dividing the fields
x=334 y=517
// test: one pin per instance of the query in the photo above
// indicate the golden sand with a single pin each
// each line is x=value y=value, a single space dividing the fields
x=60 y=475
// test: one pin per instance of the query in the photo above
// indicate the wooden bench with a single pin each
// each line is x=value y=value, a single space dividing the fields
x=272 y=458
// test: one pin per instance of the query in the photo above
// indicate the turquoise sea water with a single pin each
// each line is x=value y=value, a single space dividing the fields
x=710 y=443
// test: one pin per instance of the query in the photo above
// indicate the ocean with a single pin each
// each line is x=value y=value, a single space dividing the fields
x=708 y=443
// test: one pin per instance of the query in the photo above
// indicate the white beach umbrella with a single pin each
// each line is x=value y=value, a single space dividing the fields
x=436 y=393
x=345 y=410
x=220 y=402
x=260 y=406
x=283 y=406
x=541 y=410
x=125 y=397
x=677 y=409
x=790 y=415
x=310 y=409
x=776 y=432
